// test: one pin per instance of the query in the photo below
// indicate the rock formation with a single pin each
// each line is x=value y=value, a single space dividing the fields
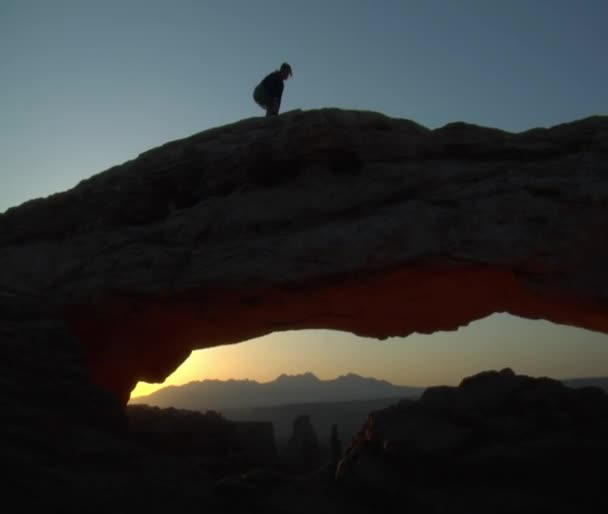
x=238 y=444
x=497 y=436
x=321 y=219
x=303 y=452
x=335 y=444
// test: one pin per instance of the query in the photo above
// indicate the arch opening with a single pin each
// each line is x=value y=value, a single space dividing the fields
x=529 y=347
x=133 y=339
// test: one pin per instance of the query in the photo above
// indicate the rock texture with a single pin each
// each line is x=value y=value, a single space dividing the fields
x=499 y=442
x=337 y=219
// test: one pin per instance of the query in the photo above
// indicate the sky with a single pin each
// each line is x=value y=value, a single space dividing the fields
x=86 y=85
x=535 y=348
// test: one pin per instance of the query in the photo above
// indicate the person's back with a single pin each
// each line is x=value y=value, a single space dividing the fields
x=269 y=91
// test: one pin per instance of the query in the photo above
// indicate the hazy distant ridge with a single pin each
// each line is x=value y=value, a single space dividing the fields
x=601 y=382
x=293 y=389
x=286 y=389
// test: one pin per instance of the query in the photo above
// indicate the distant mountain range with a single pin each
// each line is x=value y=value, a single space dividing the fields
x=601 y=382
x=345 y=401
x=286 y=389
x=293 y=389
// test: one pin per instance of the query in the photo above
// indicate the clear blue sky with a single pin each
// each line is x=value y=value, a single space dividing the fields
x=85 y=85
x=89 y=84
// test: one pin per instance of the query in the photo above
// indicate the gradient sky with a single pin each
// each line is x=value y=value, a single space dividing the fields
x=86 y=85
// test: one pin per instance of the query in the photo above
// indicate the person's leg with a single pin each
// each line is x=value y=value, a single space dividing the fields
x=265 y=101
x=259 y=98
x=273 y=110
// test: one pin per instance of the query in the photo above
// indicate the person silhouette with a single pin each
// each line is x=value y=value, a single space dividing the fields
x=268 y=93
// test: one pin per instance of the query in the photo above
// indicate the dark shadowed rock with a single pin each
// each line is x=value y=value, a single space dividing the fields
x=177 y=432
x=303 y=452
x=307 y=220
x=497 y=430
x=335 y=444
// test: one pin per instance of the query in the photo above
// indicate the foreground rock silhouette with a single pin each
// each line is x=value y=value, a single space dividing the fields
x=532 y=442
x=320 y=219
x=231 y=445
x=309 y=220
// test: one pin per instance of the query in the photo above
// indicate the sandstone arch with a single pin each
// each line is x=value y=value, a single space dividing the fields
x=321 y=219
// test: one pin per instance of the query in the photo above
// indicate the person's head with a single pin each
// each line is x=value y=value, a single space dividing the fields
x=286 y=71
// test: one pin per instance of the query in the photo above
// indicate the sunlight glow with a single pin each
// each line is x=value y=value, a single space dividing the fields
x=537 y=348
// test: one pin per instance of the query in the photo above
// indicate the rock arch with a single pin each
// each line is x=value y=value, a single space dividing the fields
x=321 y=219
